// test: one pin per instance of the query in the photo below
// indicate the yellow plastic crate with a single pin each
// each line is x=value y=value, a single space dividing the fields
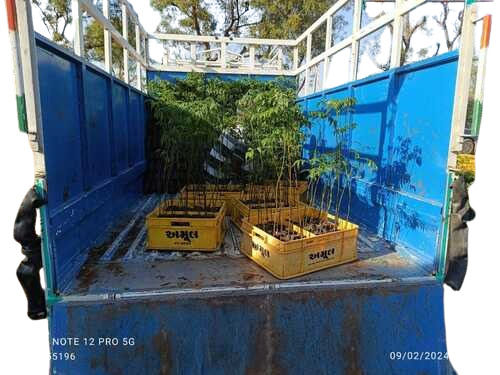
x=237 y=192
x=187 y=234
x=286 y=260
x=241 y=210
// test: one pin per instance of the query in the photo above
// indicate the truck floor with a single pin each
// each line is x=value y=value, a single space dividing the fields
x=121 y=264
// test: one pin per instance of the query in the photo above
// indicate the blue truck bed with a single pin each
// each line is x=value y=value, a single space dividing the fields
x=220 y=313
x=122 y=264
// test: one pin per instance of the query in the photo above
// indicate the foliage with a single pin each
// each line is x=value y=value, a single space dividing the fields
x=271 y=127
x=255 y=18
x=56 y=16
x=288 y=19
x=195 y=16
x=202 y=17
x=260 y=18
x=331 y=171
x=191 y=115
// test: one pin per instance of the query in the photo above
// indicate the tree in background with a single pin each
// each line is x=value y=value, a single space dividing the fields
x=288 y=19
x=408 y=50
x=56 y=16
x=450 y=36
x=285 y=19
x=185 y=16
x=94 y=38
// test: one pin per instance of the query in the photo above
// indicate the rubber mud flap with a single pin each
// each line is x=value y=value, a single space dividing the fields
x=28 y=272
x=461 y=213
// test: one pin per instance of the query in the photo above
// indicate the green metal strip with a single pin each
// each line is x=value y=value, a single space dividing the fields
x=445 y=231
x=477 y=115
x=21 y=113
x=50 y=296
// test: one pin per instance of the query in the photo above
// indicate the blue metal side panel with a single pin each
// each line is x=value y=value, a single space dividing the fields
x=97 y=129
x=93 y=133
x=308 y=331
x=63 y=154
x=172 y=76
x=120 y=126
x=135 y=108
x=403 y=120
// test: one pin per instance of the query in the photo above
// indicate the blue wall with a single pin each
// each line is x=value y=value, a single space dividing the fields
x=403 y=119
x=313 y=330
x=172 y=76
x=94 y=140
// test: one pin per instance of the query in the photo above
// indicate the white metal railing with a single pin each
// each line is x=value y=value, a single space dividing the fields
x=136 y=52
x=401 y=7
x=248 y=55
x=313 y=70
x=221 y=59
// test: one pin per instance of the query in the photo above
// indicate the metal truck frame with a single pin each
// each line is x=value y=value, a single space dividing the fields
x=245 y=321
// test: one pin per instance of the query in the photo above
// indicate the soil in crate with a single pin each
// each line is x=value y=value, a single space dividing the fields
x=283 y=232
x=316 y=225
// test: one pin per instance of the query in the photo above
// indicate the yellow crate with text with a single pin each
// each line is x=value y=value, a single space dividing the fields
x=466 y=162
x=311 y=253
x=195 y=233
